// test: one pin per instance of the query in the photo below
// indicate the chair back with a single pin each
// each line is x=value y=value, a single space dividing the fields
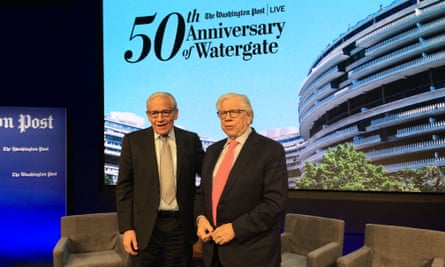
x=403 y=246
x=310 y=232
x=91 y=232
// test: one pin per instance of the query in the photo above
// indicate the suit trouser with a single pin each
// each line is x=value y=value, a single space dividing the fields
x=167 y=246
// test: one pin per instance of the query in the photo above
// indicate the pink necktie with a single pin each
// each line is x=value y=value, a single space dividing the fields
x=221 y=177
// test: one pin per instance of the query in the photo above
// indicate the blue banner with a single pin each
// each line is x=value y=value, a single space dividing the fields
x=32 y=181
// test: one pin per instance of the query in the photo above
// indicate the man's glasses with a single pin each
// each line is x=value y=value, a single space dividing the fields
x=163 y=113
x=233 y=113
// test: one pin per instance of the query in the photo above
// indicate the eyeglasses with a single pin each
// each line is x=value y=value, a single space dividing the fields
x=233 y=113
x=164 y=113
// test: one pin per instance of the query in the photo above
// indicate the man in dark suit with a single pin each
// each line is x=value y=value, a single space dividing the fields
x=243 y=227
x=155 y=210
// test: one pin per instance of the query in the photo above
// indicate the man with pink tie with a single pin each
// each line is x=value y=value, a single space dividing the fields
x=241 y=200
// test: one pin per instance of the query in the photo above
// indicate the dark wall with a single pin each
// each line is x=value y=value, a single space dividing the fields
x=357 y=209
x=50 y=56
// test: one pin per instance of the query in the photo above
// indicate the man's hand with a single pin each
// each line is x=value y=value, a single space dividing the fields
x=130 y=242
x=204 y=230
x=223 y=234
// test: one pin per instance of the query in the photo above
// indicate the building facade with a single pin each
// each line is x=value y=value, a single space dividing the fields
x=381 y=87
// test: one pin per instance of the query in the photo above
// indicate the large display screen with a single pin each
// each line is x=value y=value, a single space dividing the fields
x=32 y=182
x=267 y=50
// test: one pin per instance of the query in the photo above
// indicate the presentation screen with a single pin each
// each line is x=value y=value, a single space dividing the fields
x=32 y=182
x=297 y=61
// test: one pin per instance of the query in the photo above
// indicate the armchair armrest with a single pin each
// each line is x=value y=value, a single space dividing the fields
x=285 y=238
x=121 y=250
x=438 y=262
x=61 y=252
x=325 y=256
x=358 y=258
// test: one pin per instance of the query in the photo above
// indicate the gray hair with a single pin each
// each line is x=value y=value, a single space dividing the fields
x=165 y=94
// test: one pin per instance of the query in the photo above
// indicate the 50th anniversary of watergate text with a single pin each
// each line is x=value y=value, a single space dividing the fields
x=227 y=35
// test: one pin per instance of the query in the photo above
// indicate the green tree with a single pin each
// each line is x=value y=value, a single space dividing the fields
x=434 y=179
x=429 y=178
x=343 y=168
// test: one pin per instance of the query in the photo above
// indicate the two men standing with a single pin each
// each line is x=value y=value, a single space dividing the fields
x=237 y=208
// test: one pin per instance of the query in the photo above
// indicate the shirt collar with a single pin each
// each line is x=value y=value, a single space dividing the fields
x=170 y=134
x=242 y=138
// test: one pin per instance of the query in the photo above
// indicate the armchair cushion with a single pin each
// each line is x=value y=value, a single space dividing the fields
x=292 y=259
x=438 y=262
x=104 y=258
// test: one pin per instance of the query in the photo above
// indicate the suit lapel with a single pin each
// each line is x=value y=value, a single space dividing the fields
x=149 y=143
x=179 y=154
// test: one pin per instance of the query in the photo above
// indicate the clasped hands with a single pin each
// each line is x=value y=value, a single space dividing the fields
x=221 y=235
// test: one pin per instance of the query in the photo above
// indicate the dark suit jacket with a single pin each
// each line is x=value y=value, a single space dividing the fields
x=138 y=189
x=253 y=200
